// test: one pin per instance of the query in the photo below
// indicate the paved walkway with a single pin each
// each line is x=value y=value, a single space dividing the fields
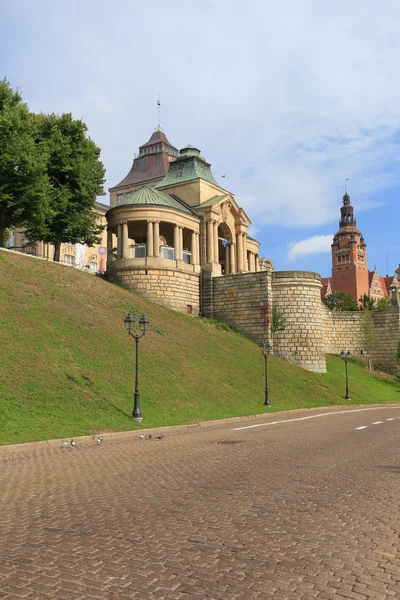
x=302 y=510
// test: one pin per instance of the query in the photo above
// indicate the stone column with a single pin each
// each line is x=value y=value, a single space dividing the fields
x=227 y=259
x=239 y=242
x=194 y=248
x=150 y=243
x=198 y=247
x=124 y=249
x=257 y=263
x=245 y=265
x=156 y=238
x=109 y=243
x=119 y=240
x=216 y=249
x=232 y=264
x=180 y=243
x=210 y=241
x=176 y=242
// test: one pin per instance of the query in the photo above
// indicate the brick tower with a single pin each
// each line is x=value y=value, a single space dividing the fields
x=349 y=255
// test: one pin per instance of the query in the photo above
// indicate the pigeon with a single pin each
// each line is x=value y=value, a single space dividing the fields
x=150 y=436
x=159 y=437
x=74 y=444
x=141 y=436
x=99 y=440
x=64 y=444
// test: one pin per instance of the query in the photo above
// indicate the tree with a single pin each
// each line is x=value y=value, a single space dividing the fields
x=23 y=181
x=367 y=303
x=76 y=177
x=382 y=303
x=340 y=301
x=369 y=338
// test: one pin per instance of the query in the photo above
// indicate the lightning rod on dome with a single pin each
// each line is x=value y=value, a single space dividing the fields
x=159 y=128
x=345 y=186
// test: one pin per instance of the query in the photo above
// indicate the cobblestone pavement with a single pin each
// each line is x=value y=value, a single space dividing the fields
x=301 y=510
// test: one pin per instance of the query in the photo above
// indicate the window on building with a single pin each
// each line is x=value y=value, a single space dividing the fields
x=69 y=259
x=120 y=198
x=167 y=253
x=93 y=267
x=139 y=251
x=187 y=257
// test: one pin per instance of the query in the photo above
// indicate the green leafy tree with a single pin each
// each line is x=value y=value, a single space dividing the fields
x=369 y=338
x=76 y=176
x=340 y=301
x=23 y=181
x=367 y=303
x=382 y=303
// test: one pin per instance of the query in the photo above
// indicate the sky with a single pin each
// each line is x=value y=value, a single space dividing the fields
x=287 y=100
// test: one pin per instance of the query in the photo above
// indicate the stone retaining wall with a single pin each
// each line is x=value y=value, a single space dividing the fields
x=174 y=289
x=297 y=296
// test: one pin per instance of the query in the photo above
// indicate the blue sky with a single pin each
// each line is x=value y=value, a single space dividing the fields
x=287 y=100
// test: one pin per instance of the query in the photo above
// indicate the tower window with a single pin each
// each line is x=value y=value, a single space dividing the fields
x=120 y=198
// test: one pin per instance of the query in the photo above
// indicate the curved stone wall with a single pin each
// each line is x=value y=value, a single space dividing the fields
x=297 y=296
x=171 y=287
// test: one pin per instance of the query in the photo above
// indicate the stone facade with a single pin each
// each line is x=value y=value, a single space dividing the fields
x=297 y=296
x=172 y=288
x=241 y=301
x=311 y=331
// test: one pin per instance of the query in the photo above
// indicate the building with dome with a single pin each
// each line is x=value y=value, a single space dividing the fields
x=170 y=222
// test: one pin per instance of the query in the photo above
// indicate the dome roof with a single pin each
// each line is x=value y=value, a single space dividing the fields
x=148 y=196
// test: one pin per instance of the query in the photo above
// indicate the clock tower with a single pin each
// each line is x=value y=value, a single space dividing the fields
x=349 y=255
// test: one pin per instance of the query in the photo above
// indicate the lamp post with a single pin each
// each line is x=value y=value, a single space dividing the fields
x=346 y=357
x=265 y=348
x=144 y=323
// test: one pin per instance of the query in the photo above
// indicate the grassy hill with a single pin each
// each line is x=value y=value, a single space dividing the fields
x=67 y=364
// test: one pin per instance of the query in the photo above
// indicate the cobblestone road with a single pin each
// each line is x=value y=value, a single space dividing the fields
x=301 y=510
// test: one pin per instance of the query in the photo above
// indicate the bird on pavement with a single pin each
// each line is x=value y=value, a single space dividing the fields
x=64 y=444
x=159 y=437
x=74 y=444
x=150 y=436
x=141 y=436
x=99 y=440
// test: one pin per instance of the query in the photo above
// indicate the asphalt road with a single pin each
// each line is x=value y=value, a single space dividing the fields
x=302 y=509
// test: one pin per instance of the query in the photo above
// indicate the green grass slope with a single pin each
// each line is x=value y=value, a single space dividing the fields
x=67 y=365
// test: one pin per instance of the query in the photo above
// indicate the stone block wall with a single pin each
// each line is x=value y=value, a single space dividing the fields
x=174 y=289
x=344 y=330
x=242 y=301
x=297 y=296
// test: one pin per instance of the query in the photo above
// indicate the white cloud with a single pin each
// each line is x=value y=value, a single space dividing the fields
x=286 y=99
x=313 y=245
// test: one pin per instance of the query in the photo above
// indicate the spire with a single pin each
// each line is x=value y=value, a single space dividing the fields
x=159 y=128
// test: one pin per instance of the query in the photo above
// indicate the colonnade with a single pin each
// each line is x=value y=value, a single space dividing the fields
x=153 y=241
x=238 y=258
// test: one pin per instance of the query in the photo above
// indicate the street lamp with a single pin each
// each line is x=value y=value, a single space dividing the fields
x=144 y=323
x=265 y=348
x=346 y=357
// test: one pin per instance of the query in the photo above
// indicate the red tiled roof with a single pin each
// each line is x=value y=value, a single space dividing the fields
x=383 y=284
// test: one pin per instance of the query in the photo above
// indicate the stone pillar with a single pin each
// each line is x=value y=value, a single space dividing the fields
x=227 y=259
x=156 y=238
x=239 y=242
x=119 y=240
x=216 y=249
x=124 y=243
x=210 y=242
x=109 y=243
x=176 y=242
x=257 y=263
x=232 y=264
x=198 y=247
x=245 y=265
x=150 y=243
x=194 y=248
x=180 y=243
